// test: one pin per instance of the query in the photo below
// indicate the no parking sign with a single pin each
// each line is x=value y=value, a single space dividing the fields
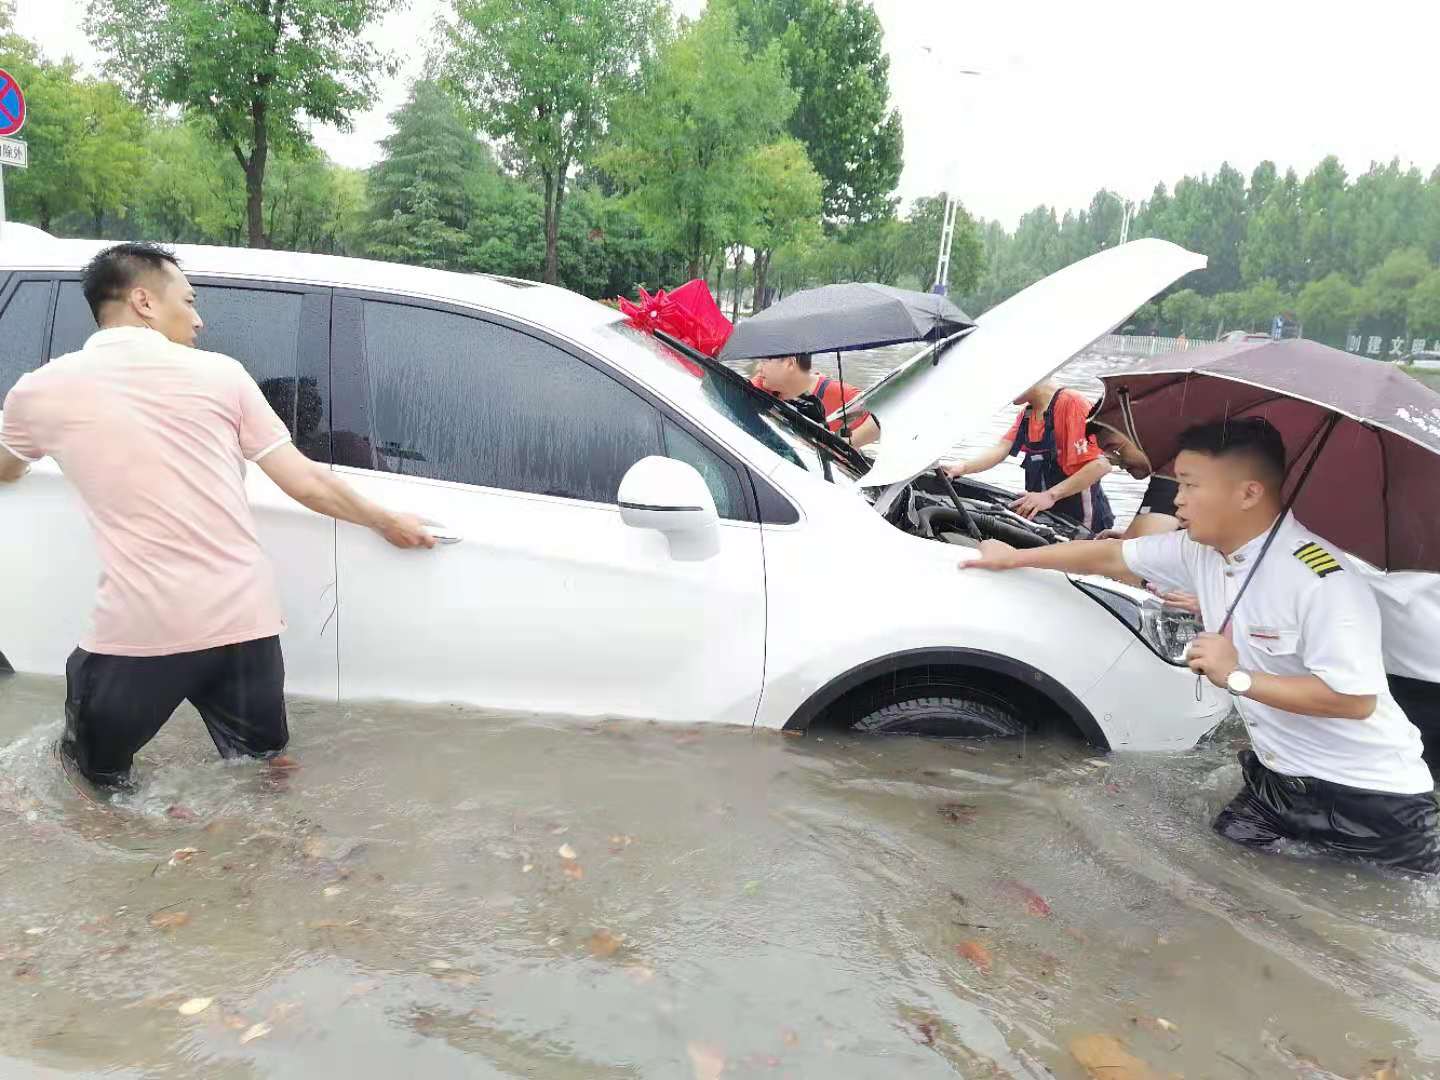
x=12 y=105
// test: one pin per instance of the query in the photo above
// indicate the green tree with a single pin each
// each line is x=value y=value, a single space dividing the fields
x=191 y=194
x=110 y=157
x=1272 y=245
x=786 y=198
x=1260 y=303
x=421 y=191
x=834 y=53
x=681 y=143
x=256 y=70
x=1327 y=308
x=1385 y=296
x=1186 y=312
x=1327 y=232
x=543 y=78
x=1424 y=307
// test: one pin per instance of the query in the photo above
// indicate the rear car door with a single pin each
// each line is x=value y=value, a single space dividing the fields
x=281 y=334
x=516 y=443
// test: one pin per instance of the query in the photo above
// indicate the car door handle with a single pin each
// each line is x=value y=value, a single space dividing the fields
x=442 y=534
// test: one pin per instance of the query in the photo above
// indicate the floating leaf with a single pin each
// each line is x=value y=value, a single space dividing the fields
x=255 y=1031
x=567 y=852
x=169 y=920
x=707 y=1061
x=195 y=1006
x=603 y=944
x=1034 y=903
x=1105 y=1057
x=976 y=953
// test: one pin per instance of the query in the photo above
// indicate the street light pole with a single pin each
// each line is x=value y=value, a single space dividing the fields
x=952 y=205
x=1126 y=216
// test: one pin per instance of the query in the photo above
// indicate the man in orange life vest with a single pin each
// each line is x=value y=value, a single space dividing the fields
x=1063 y=463
x=790 y=379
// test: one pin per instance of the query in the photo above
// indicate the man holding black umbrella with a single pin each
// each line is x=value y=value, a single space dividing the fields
x=1335 y=763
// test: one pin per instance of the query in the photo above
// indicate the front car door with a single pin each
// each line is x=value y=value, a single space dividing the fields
x=281 y=334
x=548 y=602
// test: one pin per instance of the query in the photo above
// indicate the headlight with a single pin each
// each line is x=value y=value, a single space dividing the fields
x=1167 y=631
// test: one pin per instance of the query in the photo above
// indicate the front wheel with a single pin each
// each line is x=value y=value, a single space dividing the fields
x=943 y=716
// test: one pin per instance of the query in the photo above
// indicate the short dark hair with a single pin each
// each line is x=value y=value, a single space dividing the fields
x=1252 y=437
x=802 y=361
x=117 y=269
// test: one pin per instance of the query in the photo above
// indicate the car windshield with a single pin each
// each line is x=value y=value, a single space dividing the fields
x=760 y=416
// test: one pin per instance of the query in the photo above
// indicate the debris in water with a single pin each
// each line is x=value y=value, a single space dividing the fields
x=255 y=1031
x=184 y=854
x=37 y=931
x=573 y=871
x=790 y=1038
x=603 y=944
x=976 y=953
x=441 y=965
x=958 y=813
x=620 y=843
x=334 y=890
x=639 y=974
x=1384 y=1070
x=567 y=852
x=923 y=1031
x=1034 y=902
x=527 y=868
x=1105 y=1057
x=195 y=1006
x=180 y=813
x=707 y=1061
x=169 y=920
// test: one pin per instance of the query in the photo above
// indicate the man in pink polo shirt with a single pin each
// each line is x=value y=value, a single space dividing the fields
x=155 y=434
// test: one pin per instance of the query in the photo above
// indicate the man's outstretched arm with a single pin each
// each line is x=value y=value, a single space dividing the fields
x=1076 y=556
x=316 y=487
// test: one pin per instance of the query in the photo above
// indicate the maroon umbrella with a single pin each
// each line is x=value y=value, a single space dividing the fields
x=1362 y=437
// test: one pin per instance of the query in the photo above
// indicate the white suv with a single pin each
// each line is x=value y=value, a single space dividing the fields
x=628 y=532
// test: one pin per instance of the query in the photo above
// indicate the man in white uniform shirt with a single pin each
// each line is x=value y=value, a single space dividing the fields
x=1335 y=762
x=1410 y=637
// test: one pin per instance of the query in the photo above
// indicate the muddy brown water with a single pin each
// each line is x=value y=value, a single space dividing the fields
x=443 y=893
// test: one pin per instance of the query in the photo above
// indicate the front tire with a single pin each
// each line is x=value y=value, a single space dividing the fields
x=943 y=716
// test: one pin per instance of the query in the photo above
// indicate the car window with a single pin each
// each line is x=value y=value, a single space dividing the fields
x=22 y=332
x=720 y=476
x=258 y=327
x=459 y=398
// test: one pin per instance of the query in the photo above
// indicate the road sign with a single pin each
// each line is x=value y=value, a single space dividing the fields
x=14 y=153
x=12 y=105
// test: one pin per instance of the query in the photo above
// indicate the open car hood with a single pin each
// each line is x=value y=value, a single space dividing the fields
x=927 y=404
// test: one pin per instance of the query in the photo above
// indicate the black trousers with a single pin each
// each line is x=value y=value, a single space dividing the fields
x=114 y=705
x=1396 y=831
x=1421 y=702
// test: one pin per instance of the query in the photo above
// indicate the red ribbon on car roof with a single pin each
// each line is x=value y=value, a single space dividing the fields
x=688 y=313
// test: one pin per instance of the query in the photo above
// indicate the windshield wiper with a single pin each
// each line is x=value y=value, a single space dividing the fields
x=807 y=428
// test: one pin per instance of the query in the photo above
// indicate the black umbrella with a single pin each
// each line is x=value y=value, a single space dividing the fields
x=835 y=318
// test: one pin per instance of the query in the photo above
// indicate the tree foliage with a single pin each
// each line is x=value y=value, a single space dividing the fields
x=254 y=70
x=834 y=54
x=543 y=78
x=681 y=143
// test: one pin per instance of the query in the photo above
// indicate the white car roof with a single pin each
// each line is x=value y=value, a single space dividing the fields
x=23 y=247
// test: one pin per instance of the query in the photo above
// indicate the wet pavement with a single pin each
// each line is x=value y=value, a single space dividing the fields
x=445 y=893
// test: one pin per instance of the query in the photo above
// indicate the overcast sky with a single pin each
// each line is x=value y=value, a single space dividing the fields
x=1073 y=97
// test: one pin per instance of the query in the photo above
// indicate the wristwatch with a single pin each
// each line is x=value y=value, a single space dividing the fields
x=1238 y=682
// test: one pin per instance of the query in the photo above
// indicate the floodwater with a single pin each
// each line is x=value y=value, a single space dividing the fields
x=443 y=893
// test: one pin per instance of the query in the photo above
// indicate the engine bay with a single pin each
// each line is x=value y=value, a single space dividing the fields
x=927 y=507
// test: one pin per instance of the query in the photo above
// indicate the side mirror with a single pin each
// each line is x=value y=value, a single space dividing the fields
x=672 y=497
